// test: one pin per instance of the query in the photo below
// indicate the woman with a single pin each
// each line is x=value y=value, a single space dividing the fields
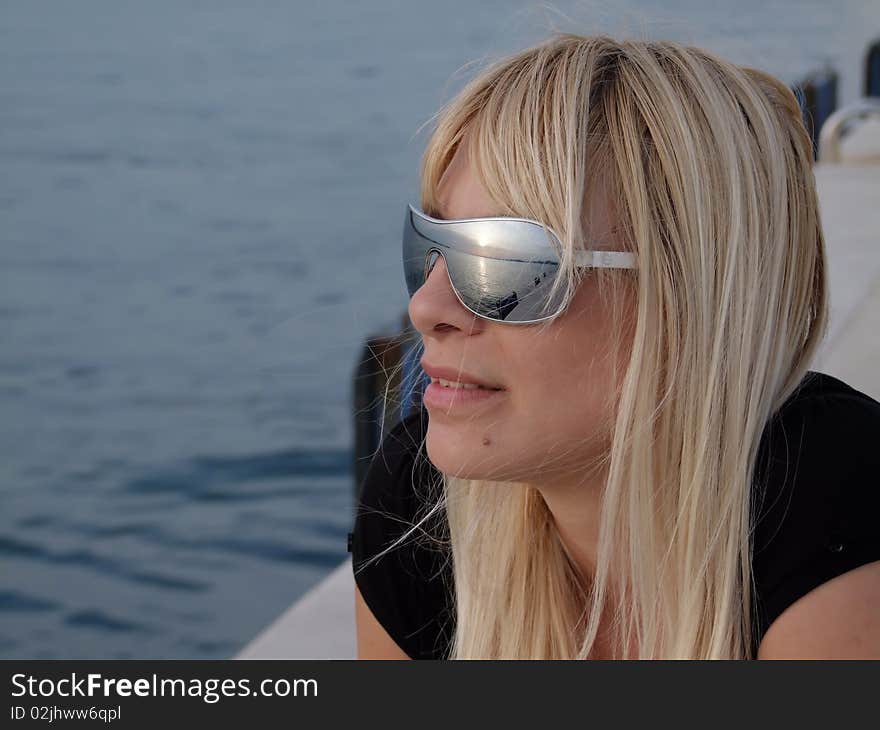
x=650 y=469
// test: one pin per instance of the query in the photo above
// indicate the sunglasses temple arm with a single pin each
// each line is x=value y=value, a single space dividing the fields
x=606 y=259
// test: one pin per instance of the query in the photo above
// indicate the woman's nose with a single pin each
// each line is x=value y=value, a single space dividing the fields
x=435 y=303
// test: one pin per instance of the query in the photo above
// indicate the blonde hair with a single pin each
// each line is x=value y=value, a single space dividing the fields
x=709 y=166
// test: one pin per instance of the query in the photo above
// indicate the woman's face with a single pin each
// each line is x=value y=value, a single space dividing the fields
x=549 y=421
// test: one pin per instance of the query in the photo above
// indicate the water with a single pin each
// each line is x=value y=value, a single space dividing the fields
x=200 y=205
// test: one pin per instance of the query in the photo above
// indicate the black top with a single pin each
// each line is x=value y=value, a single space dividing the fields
x=818 y=515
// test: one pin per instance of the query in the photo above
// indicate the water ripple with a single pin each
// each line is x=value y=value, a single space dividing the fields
x=100 y=621
x=10 y=601
x=262 y=548
x=106 y=566
x=202 y=478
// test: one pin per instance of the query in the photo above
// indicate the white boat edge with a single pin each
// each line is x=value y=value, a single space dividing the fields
x=318 y=626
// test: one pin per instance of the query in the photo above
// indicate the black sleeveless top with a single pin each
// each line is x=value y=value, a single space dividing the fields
x=817 y=507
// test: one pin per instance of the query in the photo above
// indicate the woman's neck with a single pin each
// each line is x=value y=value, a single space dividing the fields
x=576 y=510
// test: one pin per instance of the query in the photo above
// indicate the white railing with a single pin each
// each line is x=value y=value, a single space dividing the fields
x=850 y=134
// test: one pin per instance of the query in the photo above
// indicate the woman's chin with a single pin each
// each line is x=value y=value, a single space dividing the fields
x=464 y=459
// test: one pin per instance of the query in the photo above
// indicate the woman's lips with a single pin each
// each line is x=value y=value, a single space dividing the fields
x=440 y=396
x=454 y=375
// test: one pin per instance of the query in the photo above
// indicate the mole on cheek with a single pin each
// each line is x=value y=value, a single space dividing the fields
x=486 y=441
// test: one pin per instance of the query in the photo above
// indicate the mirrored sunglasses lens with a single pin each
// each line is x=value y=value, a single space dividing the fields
x=507 y=291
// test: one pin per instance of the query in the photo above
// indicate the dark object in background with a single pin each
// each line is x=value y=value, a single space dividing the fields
x=872 y=69
x=817 y=95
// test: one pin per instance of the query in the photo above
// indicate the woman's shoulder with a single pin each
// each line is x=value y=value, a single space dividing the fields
x=824 y=435
x=817 y=501
x=818 y=387
x=408 y=587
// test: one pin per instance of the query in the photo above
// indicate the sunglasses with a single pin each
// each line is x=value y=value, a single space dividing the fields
x=502 y=269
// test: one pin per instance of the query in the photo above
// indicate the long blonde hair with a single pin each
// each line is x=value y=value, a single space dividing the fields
x=710 y=170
